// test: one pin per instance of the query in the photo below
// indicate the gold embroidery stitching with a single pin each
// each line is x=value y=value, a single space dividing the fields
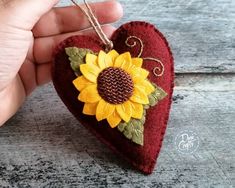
x=160 y=70
x=157 y=71
x=135 y=43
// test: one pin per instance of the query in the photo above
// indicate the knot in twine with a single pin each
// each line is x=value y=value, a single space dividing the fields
x=95 y=24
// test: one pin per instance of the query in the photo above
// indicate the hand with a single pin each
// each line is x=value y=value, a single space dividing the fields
x=29 y=31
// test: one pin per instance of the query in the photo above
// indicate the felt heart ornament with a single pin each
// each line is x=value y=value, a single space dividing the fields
x=122 y=95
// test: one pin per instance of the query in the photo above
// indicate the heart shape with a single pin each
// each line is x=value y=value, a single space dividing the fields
x=139 y=38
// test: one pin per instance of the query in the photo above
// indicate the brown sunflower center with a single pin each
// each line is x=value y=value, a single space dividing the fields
x=115 y=85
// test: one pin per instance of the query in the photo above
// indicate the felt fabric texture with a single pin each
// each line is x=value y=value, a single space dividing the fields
x=156 y=46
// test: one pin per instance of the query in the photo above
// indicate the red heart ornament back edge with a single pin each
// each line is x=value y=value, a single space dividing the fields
x=154 y=45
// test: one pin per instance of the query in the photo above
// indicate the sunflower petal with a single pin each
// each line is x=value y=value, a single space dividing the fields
x=90 y=108
x=114 y=119
x=126 y=66
x=104 y=110
x=137 y=110
x=139 y=96
x=89 y=94
x=138 y=62
x=138 y=80
x=124 y=61
x=113 y=54
x=145 y=84
x=149 y=87
x=104 y=60
x=81 y=83
x=90 y=72
x=91 y=59
x=138 y=72
x=125 y=111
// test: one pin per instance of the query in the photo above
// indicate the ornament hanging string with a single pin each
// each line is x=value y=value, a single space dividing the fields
x=158 y=71
x=95 y=24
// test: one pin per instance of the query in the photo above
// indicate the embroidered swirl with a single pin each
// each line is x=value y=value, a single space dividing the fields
x=132 y=41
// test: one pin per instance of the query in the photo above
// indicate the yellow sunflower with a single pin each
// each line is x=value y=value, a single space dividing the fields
x=113 y=86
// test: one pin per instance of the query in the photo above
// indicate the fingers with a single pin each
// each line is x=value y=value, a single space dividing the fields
x=69 y=19
x=43 y=70
x=34 y=75
x=28 y=76
x=43 y=47
x=43 y=73
x=24 y=14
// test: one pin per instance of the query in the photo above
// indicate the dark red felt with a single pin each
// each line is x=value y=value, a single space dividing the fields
x=156 y=46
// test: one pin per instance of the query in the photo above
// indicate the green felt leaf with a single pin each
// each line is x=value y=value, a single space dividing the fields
x=134 y=130
x=122 y=126
x=155 y=97
x=77 y=57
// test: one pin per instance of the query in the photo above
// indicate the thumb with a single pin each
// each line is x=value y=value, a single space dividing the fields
x=24 y=14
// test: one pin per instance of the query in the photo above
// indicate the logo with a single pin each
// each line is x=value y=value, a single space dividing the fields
x=187 y=142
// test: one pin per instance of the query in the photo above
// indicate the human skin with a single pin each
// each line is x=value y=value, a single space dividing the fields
x=29 y=31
